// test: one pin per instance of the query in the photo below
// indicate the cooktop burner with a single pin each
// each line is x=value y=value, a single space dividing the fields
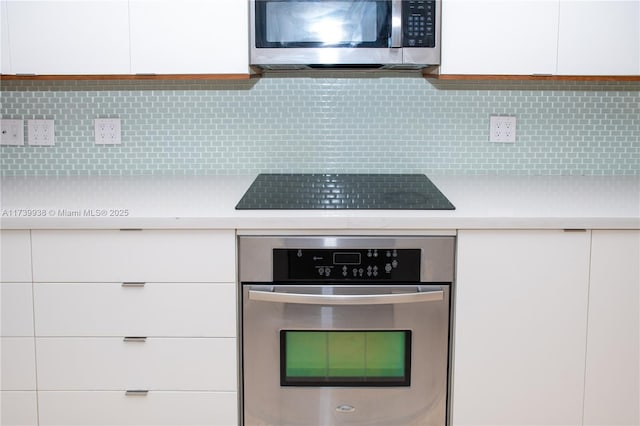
x=343 y=191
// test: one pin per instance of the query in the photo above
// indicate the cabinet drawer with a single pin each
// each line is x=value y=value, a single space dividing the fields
x=154 y=364
x=17 y=309
x=155 y=309
x=18 y=363
x=15 y=256
x=19 y=408
x=153 y=409
x=147 y=256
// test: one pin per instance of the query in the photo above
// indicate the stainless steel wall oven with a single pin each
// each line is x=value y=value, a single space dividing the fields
x=344 y=330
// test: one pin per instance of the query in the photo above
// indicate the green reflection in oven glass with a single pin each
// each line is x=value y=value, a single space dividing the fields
x=340 y=354
x=306 y=354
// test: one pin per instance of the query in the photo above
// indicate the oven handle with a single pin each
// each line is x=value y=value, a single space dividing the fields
x=346 y=299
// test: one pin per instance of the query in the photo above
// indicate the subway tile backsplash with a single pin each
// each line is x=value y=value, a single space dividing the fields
x=328 y=122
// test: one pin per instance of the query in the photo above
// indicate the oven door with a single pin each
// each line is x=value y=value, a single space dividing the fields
x=345 y=354
x=325 y=32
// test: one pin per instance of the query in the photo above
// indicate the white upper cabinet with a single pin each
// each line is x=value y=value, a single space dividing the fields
x=599 y=37
x=125 y=37
x=529 y=37
x=499 y=37
x=5 y=58
x=189 y=37
x=68 y=37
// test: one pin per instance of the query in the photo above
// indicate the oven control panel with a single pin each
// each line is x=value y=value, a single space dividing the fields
x=370 y=264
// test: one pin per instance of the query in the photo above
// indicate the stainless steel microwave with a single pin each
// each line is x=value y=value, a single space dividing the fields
x=298 y=34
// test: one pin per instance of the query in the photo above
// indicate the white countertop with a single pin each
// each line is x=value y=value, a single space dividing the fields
x=482 y=202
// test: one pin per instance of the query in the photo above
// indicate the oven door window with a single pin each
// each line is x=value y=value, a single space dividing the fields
x=323 y=23
x=345 y=358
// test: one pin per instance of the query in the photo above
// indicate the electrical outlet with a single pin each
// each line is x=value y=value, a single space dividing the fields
x=12 y=132
x=107 y=131
x=502 y=128
x=40 y=132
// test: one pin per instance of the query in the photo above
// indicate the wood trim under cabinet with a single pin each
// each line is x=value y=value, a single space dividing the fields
x=9 y=77
x=476 y=77
x=534 y=77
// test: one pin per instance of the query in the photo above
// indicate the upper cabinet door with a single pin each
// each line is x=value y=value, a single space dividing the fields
x=499 y=37
x=189 y=37
x=599 y=37
x=68 y=37
x=5 y=58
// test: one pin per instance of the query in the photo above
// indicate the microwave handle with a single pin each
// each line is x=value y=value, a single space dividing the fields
x=346 y=299
x=396 y=23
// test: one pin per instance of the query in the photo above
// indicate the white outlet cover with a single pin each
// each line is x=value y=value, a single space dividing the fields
x=41 y=132
x=107 y=131
x=12 y=132
x=502 y=128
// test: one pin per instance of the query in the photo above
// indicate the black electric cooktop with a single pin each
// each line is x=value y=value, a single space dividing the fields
x=343 y=191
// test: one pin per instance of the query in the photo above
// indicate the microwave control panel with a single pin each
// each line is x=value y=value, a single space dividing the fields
x=419 y=23
x=370 y=264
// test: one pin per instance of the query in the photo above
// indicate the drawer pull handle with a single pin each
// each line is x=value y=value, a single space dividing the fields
x=136 y=392
x=135 y=339
x=133 y=284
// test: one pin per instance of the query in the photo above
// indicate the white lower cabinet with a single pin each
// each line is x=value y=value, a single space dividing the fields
x=148 y=255
x=15 y=255
x=156 y=408
x=18 y=408
x=154 y=309
x=520 y=327
x=106 y=363
x=612 y=389
x=18 y=403
x=18 y=363
x=16 y=309
x=151 y=311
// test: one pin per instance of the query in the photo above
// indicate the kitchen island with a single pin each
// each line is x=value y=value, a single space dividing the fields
x=100 y=275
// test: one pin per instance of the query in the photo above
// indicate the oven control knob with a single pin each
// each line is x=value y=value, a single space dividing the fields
x=388 y=253
x=388 y=268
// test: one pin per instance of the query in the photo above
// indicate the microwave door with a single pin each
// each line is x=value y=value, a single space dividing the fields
x=325 y=32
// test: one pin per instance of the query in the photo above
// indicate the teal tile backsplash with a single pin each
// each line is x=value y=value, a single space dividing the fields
x=327 y=122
